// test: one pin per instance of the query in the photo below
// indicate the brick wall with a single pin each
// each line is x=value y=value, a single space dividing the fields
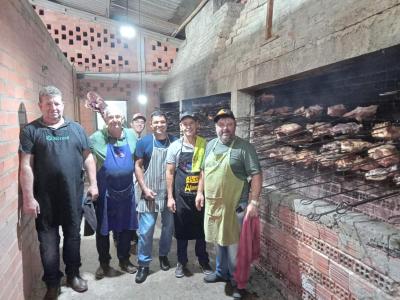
x=29 y=59
x=96 y=46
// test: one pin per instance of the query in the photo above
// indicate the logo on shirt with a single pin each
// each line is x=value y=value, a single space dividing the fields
x=52 y=138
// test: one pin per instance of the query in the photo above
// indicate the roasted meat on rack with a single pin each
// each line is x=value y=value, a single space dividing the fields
x=336 y=110
x=386 y=131
x=352 y=146
x=319 y=129
x=287 y=129
x=385 y=155
x=346 y=128
x=313 y=111
x=381 y=173
x=362 y=113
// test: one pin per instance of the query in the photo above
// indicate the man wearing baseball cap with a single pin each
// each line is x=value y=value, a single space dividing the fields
x=229 y=196
x=138 y=124
x=184 y=158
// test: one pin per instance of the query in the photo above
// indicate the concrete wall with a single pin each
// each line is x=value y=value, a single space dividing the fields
x=29 y=59
x=227 y=50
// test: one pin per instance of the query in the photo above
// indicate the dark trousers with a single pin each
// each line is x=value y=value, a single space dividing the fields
x=123 y=246
x=49 y=240
x=200 y=250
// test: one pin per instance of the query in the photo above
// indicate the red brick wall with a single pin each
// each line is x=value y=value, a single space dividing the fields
x=29 y=59
x=123 y=90
x=97 y=47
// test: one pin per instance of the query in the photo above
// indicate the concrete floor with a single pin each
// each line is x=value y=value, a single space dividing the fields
x=160 y=285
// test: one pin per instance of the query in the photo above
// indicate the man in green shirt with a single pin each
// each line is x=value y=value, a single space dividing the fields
x=232 y=181
x=114 y=149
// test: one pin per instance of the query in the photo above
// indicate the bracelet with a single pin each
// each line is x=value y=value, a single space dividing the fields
x=255 y=203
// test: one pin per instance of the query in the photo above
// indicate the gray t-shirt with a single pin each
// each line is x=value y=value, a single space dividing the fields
x=243 y=160
x=175 y=149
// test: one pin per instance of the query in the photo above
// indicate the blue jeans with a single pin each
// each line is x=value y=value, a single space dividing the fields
x=49 y=240
x=147 y=222
x=226 y=255
x=199 y=248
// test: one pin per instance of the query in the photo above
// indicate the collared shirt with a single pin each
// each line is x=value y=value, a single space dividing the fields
x=101 y=138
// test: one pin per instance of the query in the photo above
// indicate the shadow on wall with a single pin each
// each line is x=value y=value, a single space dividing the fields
x=26 y=234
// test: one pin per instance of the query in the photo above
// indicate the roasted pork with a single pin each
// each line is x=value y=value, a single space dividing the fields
x=345 y=128
x=352 y=146
x=386 y=131
x=362 y=113
x=336 y=110
x=385 y=155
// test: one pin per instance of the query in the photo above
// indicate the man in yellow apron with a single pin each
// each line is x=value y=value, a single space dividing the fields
x=184 y=158
x=232 y=180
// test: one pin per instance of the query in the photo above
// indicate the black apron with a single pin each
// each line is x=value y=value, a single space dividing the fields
x=188 y=220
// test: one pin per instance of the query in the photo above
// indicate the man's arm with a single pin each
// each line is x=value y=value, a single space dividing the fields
x=199 y=201
x=255 y=191
x=90 y=167
x=30 y=205
x=169 y=177
x=139 y=173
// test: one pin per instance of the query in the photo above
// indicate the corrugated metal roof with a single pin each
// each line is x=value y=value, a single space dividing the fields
x=162 y=16
x=98 y=7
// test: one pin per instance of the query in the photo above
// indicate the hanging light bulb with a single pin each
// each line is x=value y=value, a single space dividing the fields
x=142 y=99
x=127 y=31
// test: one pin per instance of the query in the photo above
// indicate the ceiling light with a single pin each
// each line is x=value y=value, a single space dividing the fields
x=142 y=99
x=127 y=31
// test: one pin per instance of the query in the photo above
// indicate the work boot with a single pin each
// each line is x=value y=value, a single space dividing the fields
x=206 y=268
x=127 y=266
x=164 y=263
x=213 y=277
x=52 y=293
x=77 y=284
x=104 y=270
x=142 y=274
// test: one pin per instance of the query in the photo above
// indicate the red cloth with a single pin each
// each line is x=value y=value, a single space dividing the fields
x=249 y=250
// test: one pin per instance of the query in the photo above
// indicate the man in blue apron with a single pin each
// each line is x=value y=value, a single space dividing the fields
x=54 y=151
x=114 y=148
x=230 y=161
x=184 y=158
x=150 y=155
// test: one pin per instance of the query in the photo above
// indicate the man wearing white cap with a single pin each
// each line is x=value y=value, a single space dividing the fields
x=138 y=124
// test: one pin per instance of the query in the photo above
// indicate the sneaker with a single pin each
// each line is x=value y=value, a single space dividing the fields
x=142 y=274
x=206 y=268
x=127 y=266
x=213 y=277
x=238 y=293
x=179 y=270
x=164 y=263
